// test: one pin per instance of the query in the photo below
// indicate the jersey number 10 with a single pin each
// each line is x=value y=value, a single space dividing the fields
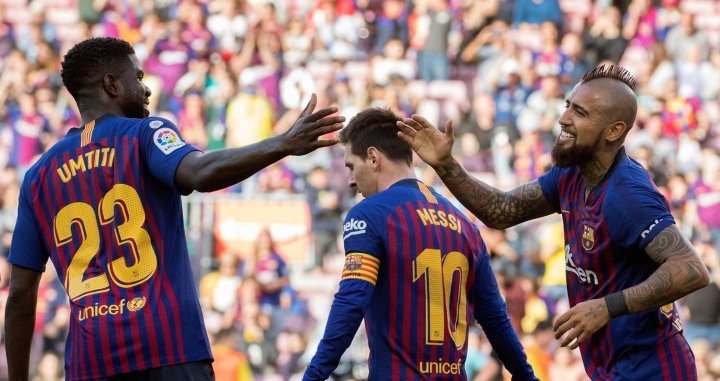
x=439 y=273
x=130 y=232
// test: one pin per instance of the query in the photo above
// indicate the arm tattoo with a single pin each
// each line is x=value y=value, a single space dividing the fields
x=493 y=207
x=680 y=273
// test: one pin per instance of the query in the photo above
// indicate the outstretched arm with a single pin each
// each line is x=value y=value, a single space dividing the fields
x=681 y=272
x=215 y=170
x=20 y=320
x=495 y=208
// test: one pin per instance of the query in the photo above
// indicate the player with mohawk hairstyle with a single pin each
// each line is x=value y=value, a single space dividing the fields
x=626 y=260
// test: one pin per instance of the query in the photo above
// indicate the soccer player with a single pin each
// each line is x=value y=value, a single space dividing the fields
x=104 y=205
x=626 y=260
x=415 y=268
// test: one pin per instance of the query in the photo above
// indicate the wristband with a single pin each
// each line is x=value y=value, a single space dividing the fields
x=616 y=304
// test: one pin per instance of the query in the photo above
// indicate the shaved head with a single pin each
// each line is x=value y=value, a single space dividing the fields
x=615 y=100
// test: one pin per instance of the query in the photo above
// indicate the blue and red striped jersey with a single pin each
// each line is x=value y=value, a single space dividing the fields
x=605 y=238
x=103 y=206
x=417 y=270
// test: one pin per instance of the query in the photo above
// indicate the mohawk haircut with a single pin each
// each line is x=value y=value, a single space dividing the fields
x=615 y=72
x=86 y=63
x=376 y=127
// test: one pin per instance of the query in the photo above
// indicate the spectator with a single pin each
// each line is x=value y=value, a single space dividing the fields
x=604 y=40
x=683 y=35
x=268 y=268
x=230 y=364
x=433 y=62
x=325 y=209
x=536 y=12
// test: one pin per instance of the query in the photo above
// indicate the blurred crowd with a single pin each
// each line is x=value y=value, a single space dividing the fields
x=233 y=72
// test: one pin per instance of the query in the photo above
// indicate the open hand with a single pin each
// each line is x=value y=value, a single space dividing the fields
x=302 y=137
x=580 y=322
x=433 y=146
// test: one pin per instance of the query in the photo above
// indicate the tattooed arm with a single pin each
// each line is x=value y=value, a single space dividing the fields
x=495 y=208
x=681 y=272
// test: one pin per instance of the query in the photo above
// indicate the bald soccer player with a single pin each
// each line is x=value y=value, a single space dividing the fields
x=626 y=261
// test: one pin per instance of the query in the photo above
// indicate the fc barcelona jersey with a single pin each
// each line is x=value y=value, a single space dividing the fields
x=417 y=271
x=605 y=237
x=103 y=206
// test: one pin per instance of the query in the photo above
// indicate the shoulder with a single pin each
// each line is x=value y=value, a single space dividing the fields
x=156 y=122
x=630 y=179
x=366 y=209
x=631 y=189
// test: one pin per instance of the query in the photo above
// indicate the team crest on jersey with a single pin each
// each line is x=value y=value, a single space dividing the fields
x=136 y=304
x=353 y=262
x=588 y=238
x=155 y=123
x=167 y=140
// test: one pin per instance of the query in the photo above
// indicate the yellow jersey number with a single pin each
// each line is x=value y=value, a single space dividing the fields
x=438 y=276
x=130 y=232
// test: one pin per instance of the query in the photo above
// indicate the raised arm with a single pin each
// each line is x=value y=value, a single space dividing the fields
x=206 y=172
x=495 y=208
x=20 y=320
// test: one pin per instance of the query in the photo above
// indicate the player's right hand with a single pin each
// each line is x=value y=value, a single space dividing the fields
x=303 y=136
x=433 y=146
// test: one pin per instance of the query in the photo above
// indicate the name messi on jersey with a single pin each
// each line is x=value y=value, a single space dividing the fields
x=439 y=218
x=101 y=157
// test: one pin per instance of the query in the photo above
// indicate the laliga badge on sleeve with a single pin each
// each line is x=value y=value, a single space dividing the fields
x=167 y=140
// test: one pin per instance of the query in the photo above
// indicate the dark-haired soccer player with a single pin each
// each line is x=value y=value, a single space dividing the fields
x=415 y=268
x=625 y=258
x=104 y=205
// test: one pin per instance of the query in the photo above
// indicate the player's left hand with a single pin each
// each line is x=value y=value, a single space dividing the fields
x=580 y=322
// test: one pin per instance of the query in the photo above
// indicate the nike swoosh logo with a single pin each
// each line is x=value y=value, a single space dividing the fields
x=564 y=211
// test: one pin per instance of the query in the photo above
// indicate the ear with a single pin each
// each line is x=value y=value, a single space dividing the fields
x=616 y=131
x=111 y=85
x=374 y=156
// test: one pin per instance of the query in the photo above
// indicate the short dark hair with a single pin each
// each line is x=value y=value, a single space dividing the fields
x=615 y=72
x=376 y=127
x=86 y=62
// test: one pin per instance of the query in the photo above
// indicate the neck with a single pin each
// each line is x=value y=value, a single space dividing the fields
x=595 y=170
x=89 y=113
x=393 y=174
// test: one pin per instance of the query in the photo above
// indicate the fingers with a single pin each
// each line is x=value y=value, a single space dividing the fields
x=412 y=123
x=564 y=329
x=406 y=130
x=449 y=129
x=327 y=121
x=328 y=129
x=310 y=106
x=560 y=321
x=326 y=143
x=571 y=334
x=406 y=138
x=318 y=115
x=422 y=121
x=579 y=341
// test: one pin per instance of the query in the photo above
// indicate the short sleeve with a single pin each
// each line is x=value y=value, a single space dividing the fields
x=163 y=148
x=549 y=184
x=27 y=248
x=363 y=245
x=635 y=216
